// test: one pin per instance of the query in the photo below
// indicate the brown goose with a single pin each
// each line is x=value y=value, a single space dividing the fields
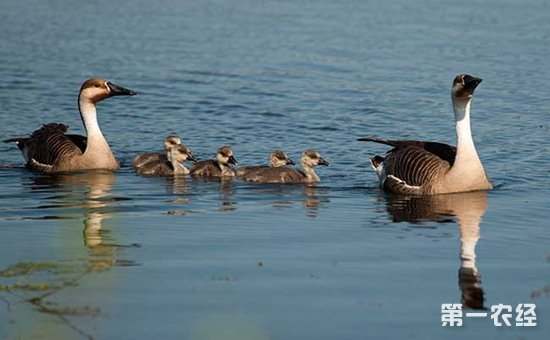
x=276 y=159
x=49 y=149
x=142 y=159
x=426 y=168
x=218 y=167
x=308 y=160
x=172 y=166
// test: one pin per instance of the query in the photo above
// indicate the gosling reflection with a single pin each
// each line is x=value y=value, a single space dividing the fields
x=468 y=208
x=227 y=191
x=313 y=201
x=177 y=185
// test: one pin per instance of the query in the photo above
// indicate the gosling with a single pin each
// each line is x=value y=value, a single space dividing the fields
x=276 y=159
x=144 y=158
x=172 y=165
x=218 y=167
x=309 y=160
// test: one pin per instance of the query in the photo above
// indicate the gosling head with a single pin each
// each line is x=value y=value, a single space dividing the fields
x=225 y=156
x=278 y=158
x=97 y=89
x=464 y=86
x=311 y=158
x=170 y=142
x=181 y=153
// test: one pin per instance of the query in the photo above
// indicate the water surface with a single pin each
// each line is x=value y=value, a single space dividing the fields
x=103 y=255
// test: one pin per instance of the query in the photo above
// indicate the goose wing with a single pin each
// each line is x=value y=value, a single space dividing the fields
x=275 y=175
x=49 y=145
x=246 y=170
x=444 y=151
x=207 y=168
x=144 y=158
x=412 y=169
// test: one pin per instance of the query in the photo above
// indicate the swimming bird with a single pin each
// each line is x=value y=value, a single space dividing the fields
x=172 y=165
x=309 y=160
x=426 y=168
x=218 y=167
x=276 y=159
x=49 y=149
x=142 y=159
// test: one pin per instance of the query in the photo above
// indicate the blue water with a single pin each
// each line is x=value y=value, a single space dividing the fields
x=107 y=256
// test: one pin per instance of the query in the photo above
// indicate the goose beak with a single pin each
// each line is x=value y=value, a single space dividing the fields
x=232 y=160
x=116 y=90
x=290 y=161
x=324 y=162
x=471 y=82
x=191 y=157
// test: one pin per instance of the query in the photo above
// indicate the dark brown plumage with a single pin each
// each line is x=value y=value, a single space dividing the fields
x=206 y=168
x=276 y=175
x=443 y=151
x=50 y=144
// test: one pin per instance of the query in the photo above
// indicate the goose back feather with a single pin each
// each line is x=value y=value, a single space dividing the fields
x=49 y=145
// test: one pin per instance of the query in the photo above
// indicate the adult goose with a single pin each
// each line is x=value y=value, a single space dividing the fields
x=50 y=149
x=427 y=168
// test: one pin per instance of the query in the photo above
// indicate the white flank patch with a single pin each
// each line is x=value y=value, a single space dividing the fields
x=403 y=183
x=380 y=171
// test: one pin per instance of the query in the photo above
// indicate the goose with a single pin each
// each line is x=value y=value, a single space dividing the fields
x=172 y=166
x=142 y=159
x=428 y=168
x=309 y=160
x=218 y=167
x=50 y=150
x=276 y=159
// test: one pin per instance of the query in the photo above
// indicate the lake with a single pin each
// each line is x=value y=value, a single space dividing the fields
x=118 y=256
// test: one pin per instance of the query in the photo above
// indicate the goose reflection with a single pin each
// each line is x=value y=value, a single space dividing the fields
x=70 y=196
x=468 y=208
x=91 y=191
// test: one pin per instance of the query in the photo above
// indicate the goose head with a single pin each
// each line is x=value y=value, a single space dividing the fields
x=278 y=158
x=181 y=153
x=97 y=89
x=464 y=86
x=224 y=156
x=170 y=142
x=311 y=158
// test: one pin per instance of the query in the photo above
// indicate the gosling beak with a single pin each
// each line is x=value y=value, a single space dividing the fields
x=290 y=161
x=471 y=83
x=323 y=161
x=191 y=157
x=232 y=160
x=116 y=90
